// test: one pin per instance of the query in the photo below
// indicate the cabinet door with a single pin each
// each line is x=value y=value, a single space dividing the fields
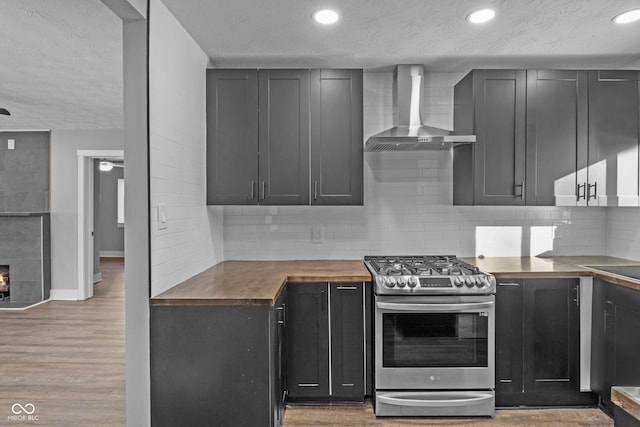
x=284 y=137
x=232 y=137
x=499 y=156
x=557 y=125
x=622 y=346
x=613 y=139
x=509 y=342
x=347 y=341
x=551 y=339
x=279 y=361
x=307 y=340
x=336 y=137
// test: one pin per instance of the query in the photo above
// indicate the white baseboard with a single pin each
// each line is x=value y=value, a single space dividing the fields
x=97 y=277
x=111 y=254
x=64 y=294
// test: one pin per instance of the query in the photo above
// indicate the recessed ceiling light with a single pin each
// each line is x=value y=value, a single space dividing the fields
x=325 y=16
x=481 y=16
x=627 y=17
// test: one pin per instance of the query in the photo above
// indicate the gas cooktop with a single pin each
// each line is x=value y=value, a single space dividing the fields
x=427 y=274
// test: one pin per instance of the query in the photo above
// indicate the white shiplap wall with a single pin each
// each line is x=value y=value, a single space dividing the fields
x=408 y=206
x=191 y=242
x=623 y=233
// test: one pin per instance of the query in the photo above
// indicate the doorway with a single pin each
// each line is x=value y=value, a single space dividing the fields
x=86 y=225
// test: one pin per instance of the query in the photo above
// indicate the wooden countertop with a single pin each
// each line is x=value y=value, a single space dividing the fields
x=260 y=282
x=257 y=282
x=627 y=398
x=526 y=267
x=559 y=266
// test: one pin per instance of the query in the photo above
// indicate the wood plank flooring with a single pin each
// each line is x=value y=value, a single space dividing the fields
x=67 y=357
x=363 y=416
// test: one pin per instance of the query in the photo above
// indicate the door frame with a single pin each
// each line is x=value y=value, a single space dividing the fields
x=85 y=216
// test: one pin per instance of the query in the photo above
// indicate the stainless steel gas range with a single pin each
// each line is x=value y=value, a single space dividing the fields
x=434 y=336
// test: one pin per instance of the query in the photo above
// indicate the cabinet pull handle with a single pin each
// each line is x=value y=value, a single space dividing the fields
x=577 y=299
x=322 y=301
x=506 y=381
x=595 y=191
x=315 y=190
x=521 y=186
x=582 y=195
x=508 y=284
x=263 y=189
x=282 y=316
x=340 y=288
x=253 y=189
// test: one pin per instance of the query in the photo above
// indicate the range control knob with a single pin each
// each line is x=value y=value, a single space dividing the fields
x=458 y=281
x=482 y=281
x=388 y=282
x=402 y=282
x=413 y=282
x=470 y=281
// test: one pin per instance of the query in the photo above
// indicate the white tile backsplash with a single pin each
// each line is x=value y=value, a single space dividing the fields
x=623 y=233
x=399 y=217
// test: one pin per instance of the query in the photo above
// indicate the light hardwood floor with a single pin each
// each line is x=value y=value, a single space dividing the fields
x=67 y=357
x=362 y=416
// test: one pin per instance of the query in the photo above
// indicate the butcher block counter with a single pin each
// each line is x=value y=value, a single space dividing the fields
x=257 y=282
x=260 y=282
x=561 y=266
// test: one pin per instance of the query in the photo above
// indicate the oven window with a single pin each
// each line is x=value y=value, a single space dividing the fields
x=435 y=340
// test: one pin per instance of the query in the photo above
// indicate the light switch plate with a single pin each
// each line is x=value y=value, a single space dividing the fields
x=162 y=217
x=11 y=144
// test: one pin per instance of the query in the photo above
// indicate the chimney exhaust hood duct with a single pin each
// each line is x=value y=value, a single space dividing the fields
x=409 y=134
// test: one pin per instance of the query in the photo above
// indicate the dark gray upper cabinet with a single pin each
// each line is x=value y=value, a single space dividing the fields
x=336 y=137
x=582 y=138
x=284 y=137
x=273 y=136
x=557 y=116
x=609 y=168
x=490 y=104
x=232 y=137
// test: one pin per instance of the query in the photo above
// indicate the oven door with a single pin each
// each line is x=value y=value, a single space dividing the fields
x=435 y=342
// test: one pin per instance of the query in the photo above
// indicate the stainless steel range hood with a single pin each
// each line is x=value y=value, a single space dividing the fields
x=409 y=134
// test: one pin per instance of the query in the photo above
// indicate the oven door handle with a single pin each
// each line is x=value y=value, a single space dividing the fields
x=428 y=308
x=464 y=401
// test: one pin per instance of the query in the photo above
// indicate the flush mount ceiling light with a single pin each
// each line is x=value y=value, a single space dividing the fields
x=106 y=165
x=627 y=17
x=325 y=16
x=481 y=16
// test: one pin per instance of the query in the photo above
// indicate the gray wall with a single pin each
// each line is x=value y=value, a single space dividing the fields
x=111 y=237
x=24 y=172
x=64 y=201
x=108 y=238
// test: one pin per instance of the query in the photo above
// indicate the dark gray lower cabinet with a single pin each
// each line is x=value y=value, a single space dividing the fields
x=538 y=342
x=217 y=365
x=615 y=345
x=326 y=341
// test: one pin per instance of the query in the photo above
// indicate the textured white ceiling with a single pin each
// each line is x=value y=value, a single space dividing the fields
x=380 y=33
x=60 y=65
x=61 y=60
